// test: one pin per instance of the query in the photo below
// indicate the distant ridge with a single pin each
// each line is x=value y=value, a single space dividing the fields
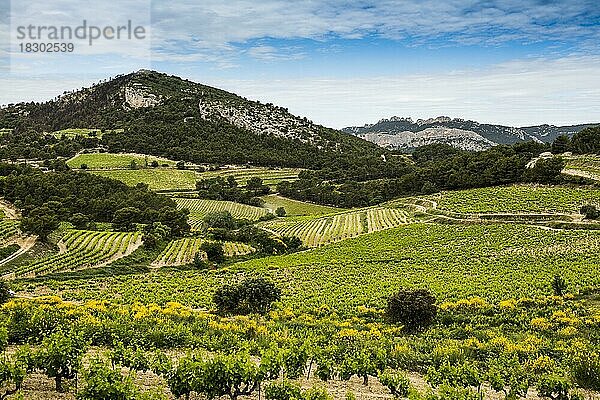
x=399 y=133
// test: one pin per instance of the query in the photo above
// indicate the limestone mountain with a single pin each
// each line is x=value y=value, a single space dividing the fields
x=405 y=134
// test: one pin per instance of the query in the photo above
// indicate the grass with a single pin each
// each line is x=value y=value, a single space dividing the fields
x=156 y=179
x=295 y=208
x=454 y=261
x=112 y=160
x=518 y=199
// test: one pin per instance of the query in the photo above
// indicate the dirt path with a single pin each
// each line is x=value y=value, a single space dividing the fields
x=580 y=173
x=10 y=211
x=25 y=245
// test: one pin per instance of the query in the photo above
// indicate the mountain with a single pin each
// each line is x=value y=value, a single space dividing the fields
x=405 y=134
x=154 y=113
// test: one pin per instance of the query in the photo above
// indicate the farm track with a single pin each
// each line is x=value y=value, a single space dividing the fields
x=25 y=245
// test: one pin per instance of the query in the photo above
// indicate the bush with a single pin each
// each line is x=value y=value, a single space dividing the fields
x=102 y=382
x=397 y=383
x=559 y=286
x=5 y=293
x=590 y=211
x=284 y=390
x=214 y=251
x=280 y=212
x=60 y=356
x=415 y=309
x=250 y=296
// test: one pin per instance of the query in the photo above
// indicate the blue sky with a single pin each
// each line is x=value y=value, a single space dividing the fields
x=339 y=63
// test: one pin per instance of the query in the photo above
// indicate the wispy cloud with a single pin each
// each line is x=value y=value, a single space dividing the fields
x=519 y=93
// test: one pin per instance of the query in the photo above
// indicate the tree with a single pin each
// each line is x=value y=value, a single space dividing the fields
x=214 y=251
x=60 y=356
x=155 y=233
x=545 y=171
x=415 y=309
x=559 y=285
x=41 y=221
x=280 y=212
x=180 y=165
x=561 y=144
x=80 y=221
x=83 y=166
x=133 y=164
x=219 y=219
x=199 y=262
x=250 y=296
x=5 y=293
x=125 y=218
x=154 y=164
x=590 y=211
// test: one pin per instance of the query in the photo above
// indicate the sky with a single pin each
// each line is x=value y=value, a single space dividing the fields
x=339 y=63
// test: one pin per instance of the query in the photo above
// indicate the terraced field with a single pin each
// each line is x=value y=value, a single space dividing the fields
x=320 y=231
x=182 y=251
x=269 y=176
x=200 y=207
x=517 y=199
x=156 y=179
x=82 y=249
x=297 y=208
x=586 y=166
x=8 y=229
x=112 y=160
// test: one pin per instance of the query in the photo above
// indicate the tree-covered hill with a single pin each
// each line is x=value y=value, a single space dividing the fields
x=164 y=115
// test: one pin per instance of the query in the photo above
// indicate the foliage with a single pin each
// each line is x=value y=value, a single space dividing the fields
x=590 y=211
x=101 y=382
x=397 y=383
x=414 y=309
x=214 y=251
x=60 y=356
x=559 y=285
x=252 y=295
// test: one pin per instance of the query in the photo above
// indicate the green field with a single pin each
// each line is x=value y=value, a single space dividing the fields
x=297 y=208
x=200 y=207
x=156 y=179
x=505 y=261
x=112 y=160
x=517 y=199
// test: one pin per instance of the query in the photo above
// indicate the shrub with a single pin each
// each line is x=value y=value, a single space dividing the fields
x=5 y=293
x=559 y=285
x=214 y=251
x=102 y=382
x=415 y=309
x=284 y=390
x=250 y=296
x=60 y=356
x=280 y=212
x=590 y=211
x=397 y=383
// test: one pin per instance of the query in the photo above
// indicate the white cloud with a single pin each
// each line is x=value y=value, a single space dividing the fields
x=518 y=93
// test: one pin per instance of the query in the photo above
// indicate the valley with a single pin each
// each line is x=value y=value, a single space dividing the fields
x=179 y=241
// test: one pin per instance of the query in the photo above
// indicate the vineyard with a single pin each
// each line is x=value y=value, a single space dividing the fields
x=200 y=207
x=8 y=229
x=270 y=177
x=517 y=199
x=156 y=179
x=79 y=250
x=114 y=161
x=320 y=231
x=297 y=208
x=182 y=251
x=585 y=166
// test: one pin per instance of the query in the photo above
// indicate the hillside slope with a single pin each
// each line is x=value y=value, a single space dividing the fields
x=168 y=116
